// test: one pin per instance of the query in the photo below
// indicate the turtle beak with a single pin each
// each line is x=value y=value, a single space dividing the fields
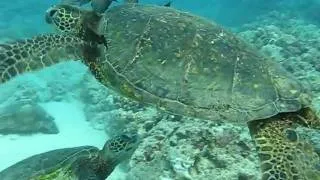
x=50 y=14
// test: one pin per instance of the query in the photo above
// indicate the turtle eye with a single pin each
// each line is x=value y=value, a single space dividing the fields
x=52 y=12
x=291 y=135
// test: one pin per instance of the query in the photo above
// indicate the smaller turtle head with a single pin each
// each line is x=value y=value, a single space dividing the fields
x=120 y=147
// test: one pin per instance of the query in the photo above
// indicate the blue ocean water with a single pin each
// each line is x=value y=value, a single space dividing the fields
x=65 y=106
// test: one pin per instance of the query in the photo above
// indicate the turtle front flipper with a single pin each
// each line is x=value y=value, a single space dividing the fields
x=38 y=52
x=283 y=154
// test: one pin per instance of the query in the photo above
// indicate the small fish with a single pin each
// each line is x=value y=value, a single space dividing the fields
x=75 y=2
x=100 y=6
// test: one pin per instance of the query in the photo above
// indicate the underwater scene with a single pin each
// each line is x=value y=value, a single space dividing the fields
x=160 y=90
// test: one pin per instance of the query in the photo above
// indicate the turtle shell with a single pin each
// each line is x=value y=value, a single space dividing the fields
x=52 y=164
x=191 y=66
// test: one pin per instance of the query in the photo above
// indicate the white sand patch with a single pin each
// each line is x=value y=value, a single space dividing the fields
x=74 y=131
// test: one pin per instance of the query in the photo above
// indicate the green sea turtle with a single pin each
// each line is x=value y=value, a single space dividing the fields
x=182 y=64
x=82 y=163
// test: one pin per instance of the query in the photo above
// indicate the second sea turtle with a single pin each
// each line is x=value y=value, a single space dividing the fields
x=82 y=163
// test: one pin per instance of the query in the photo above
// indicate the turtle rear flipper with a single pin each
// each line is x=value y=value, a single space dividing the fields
x=283 y=154
x=38 y=52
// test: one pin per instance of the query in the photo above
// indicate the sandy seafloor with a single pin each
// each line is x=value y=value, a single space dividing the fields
x=19 y=19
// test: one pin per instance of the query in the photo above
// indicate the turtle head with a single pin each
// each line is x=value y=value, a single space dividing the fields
x=120 y=147
x=75 y=21
x=65 y=18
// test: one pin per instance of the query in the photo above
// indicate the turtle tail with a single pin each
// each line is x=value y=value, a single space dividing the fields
x=284 y=155
x=37 y=52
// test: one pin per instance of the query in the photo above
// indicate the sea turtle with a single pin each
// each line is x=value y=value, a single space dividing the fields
x=82 y=163
x=186 y=65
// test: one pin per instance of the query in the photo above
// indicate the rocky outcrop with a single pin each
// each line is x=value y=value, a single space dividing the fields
x=26 y=118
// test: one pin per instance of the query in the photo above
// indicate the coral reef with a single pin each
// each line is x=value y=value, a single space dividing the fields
x=186 y=148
